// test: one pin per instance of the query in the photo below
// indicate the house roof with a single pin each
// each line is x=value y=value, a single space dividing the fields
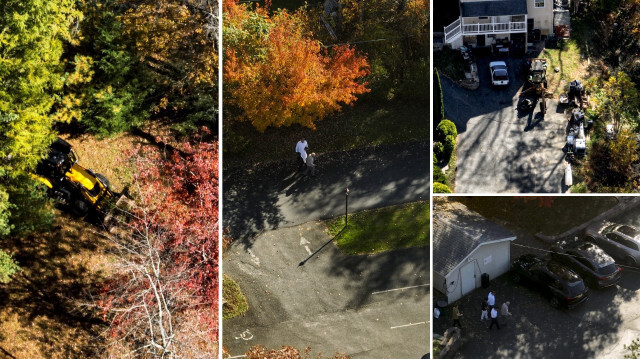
x=493 y=8
x=458 y=231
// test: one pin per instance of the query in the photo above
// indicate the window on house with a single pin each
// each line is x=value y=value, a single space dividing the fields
x=539 y=3
x=483 y=17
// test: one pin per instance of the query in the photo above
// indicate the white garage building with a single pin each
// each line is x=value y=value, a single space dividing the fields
x=466 y=246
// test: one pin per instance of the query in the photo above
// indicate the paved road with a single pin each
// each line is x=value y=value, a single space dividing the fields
x=599 y=328
x=366 y=306
x=274 y=195
x=500 y=150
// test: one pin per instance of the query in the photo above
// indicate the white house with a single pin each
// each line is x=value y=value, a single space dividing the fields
x=466 y=246
x=483 y=22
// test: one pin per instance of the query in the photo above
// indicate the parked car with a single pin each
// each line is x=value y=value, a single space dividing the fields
x=499 y=73
x=620 y=241
x=594 y=265
x=560 y=284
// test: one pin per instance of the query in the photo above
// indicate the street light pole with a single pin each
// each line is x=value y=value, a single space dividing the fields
x=346 y=207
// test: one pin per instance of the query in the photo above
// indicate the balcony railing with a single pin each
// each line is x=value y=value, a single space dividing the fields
x=456 y=28
x=452 y=30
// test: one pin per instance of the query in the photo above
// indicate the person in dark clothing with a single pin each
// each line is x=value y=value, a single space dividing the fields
x=456 y=316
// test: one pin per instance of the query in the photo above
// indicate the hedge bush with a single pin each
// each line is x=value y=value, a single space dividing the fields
x=446 y=128
x=438 y=176
x=441 y=188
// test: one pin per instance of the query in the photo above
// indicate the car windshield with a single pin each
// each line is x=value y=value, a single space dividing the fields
x=608 y=228
x=575 y=288
x=537 y=78
x=607 y=268
x=500 y=75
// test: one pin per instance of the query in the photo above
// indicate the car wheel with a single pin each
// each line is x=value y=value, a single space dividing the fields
x=628 y=261
x=516 y=278
x=80 y=208
x=554 y=302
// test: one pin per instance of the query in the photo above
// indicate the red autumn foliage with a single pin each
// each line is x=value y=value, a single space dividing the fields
x=542 y=200
x=171 y=238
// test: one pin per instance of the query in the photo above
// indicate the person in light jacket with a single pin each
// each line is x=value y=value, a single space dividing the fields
x=311 y=167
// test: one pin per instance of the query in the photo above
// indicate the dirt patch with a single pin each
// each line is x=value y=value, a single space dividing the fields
x=46 y=311
x=106 y=156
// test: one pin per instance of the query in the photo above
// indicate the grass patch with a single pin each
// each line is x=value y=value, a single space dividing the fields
x=106 y=156
x=450 y=174
x=450 y=63
x=383 y=229
x=366 y=124
x=235 y=303
x=548 y=215
x=437 y=348
x=567 y=57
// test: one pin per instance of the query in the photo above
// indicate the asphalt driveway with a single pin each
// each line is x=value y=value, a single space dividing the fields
x=274 y=195
x=598 y=328
x=500 y=150
x=368 y=306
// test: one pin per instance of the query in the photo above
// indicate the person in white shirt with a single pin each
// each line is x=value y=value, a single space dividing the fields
x=301 y=152
x=491 y=300
x=494 y=319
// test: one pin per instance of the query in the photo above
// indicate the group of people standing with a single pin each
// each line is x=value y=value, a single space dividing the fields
x=304 y=159
x=488 y=308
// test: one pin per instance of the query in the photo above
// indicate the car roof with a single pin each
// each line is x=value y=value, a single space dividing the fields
x=623 y=227
x=497 y=63
x=614 y=227
x=591 y=252
x=561 y=271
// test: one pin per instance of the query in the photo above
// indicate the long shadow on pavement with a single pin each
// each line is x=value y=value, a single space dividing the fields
x=274 y=195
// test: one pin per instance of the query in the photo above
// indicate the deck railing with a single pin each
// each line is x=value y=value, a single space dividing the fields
x=457 y=29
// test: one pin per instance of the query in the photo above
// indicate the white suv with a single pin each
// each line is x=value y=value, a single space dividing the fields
x=499 y=74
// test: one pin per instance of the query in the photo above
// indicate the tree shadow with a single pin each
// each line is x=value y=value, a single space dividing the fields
x=535 y=328
x=369 y=274
x=274 y=195
x=48 y=295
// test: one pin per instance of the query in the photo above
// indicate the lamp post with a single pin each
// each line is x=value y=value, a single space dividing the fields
x=346 y=207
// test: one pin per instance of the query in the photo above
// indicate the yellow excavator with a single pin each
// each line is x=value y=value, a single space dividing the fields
x=75 y=187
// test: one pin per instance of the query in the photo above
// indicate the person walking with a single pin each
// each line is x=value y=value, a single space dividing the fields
x=485 y=310
x=491 y=300
x=311 y=167
x=505 y=313
x=301 y=153
x=494 y=319
x=456 y=316
x=504 y=310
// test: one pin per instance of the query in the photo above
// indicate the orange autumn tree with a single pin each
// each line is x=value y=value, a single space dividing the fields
x=276 y=74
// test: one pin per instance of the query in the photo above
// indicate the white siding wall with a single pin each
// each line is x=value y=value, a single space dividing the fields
x=542 y=16
x=493 y=259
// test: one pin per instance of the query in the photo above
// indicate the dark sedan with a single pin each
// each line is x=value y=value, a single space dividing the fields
x=560 y=284
x=594 y=265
